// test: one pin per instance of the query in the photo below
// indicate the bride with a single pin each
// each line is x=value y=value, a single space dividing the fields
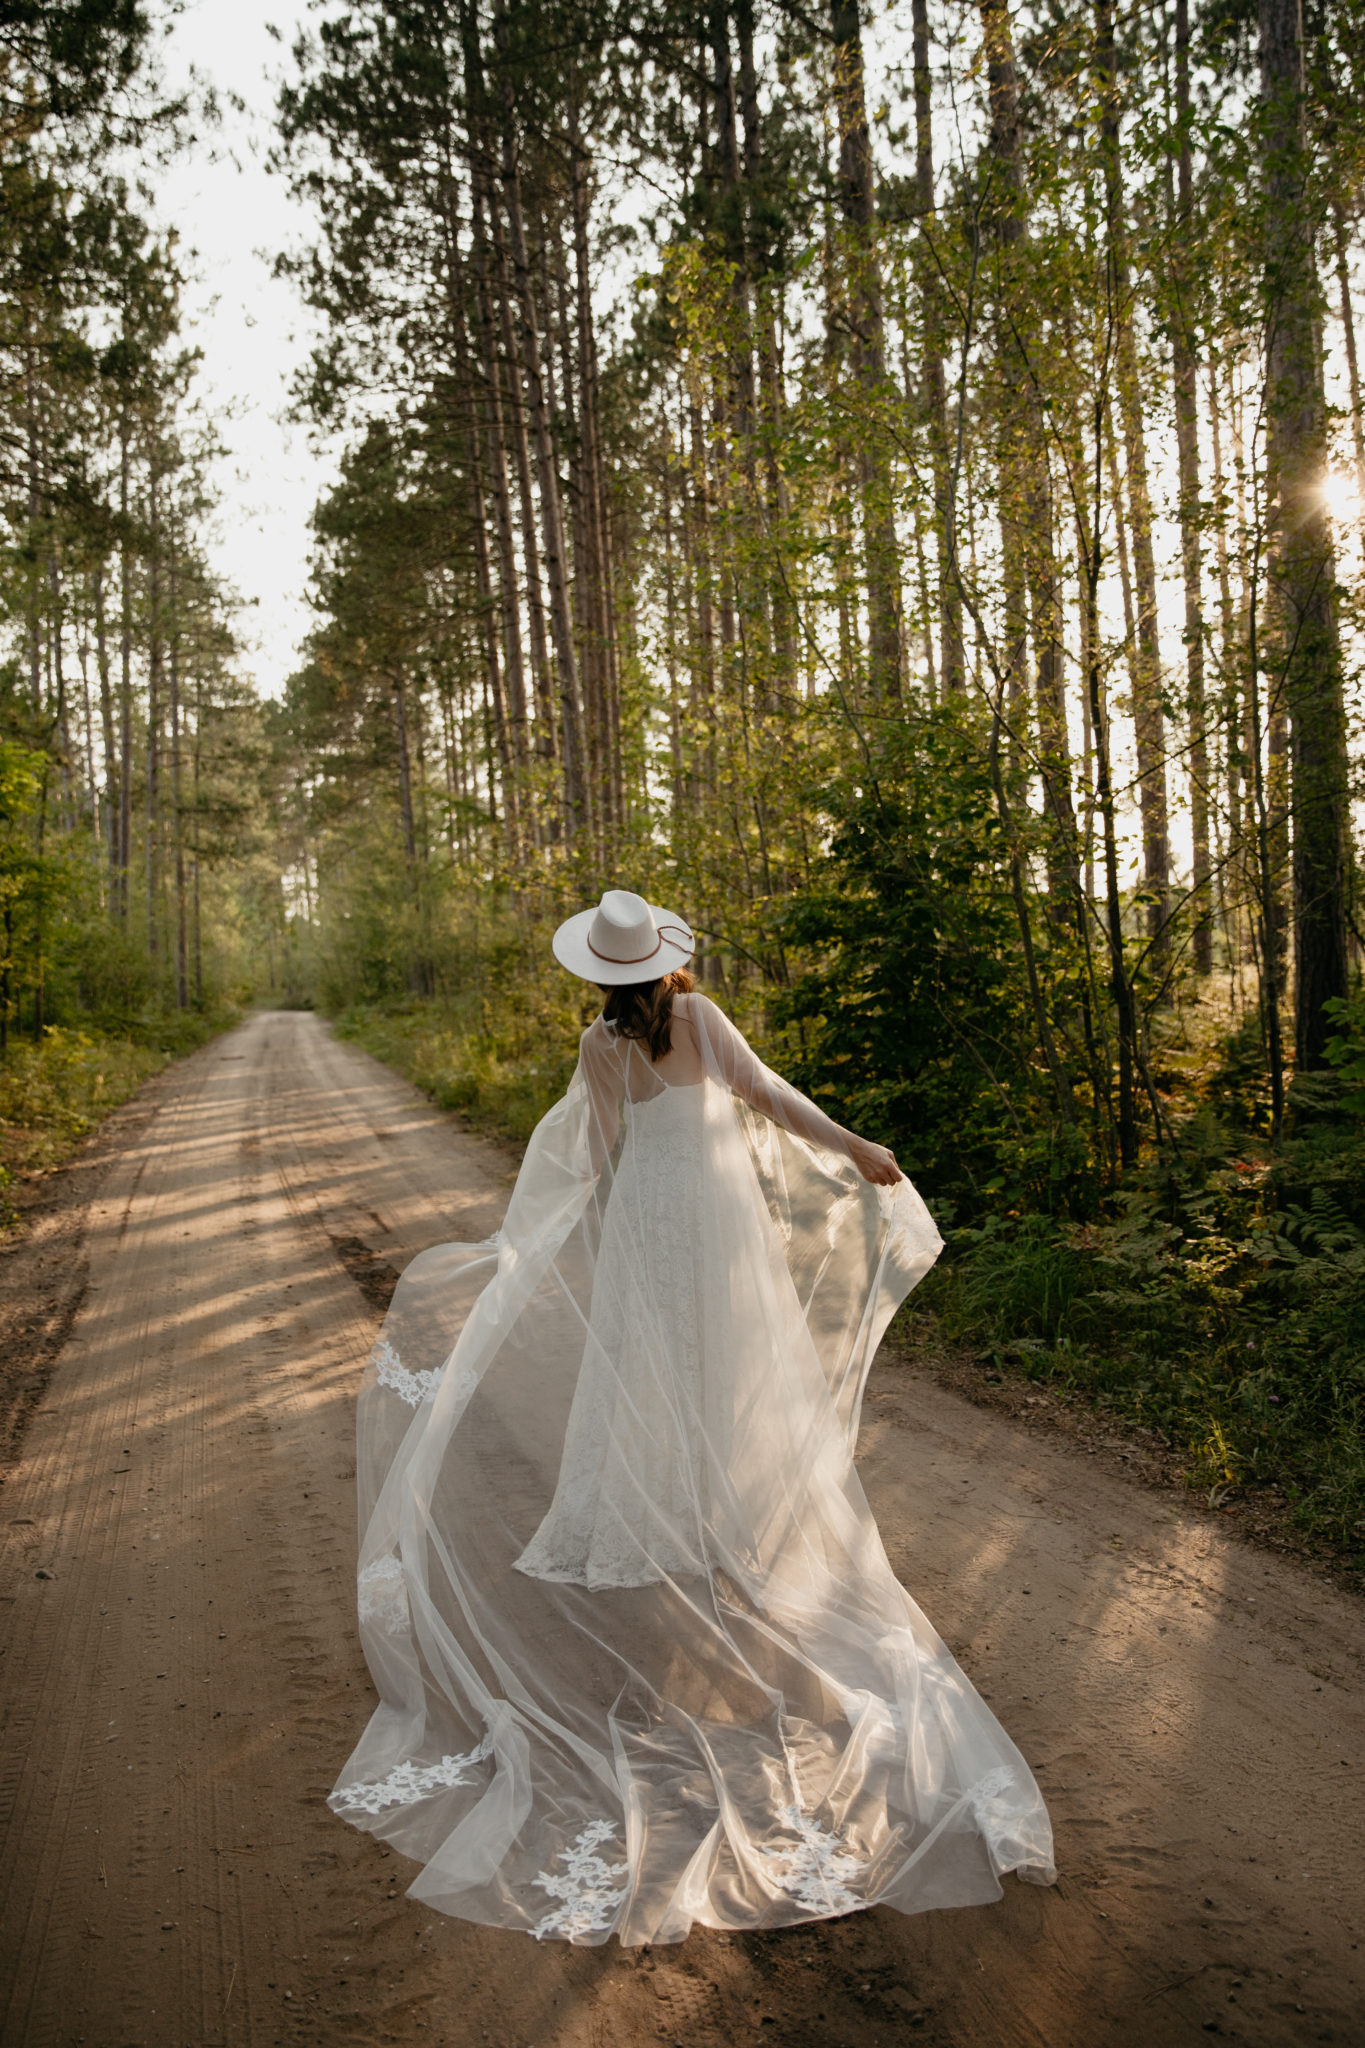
x=640 y=1657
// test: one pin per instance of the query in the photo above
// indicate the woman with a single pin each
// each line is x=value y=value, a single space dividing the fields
x=640 y=1655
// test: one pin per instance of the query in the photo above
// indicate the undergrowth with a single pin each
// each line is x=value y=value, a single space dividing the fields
x=54 y=1092
x=1222 y=1306
x=501 y=1078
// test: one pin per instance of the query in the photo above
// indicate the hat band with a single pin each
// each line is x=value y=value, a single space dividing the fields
x=637 y=959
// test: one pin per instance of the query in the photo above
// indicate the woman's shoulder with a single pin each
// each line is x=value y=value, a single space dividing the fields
x=700 y=1010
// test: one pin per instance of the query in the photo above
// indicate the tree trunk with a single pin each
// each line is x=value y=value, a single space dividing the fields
x=482 y=152
x=35 y=502
x=1348 y=329
x=182 y=991
x=125 y=773
x=577 y=796
x=111 y=774
x=486 y=442
x=1148 y=717
x=1305 y=646
x=510 y=742
x=1026 y=516
x=1121 y=987
x=1229 y=694
x=770 y=401
x=513 y=425
x=598 y=557
x=697 y=512
x=194 y=850
x=952 y=663
x=864 y=313
x=1187 y=449
x=155 y=659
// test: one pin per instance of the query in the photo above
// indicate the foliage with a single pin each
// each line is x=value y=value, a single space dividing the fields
x=502 y=1082
x=1223 y=1306
x=53 y=1093
x=133 y=811
x=1346 y=1049
x=912 y=1022
x=498 y=1044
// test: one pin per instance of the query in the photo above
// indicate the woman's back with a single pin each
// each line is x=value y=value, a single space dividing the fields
x=610 y=1051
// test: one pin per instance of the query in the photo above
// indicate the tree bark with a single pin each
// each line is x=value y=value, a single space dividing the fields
x=1302 y=569
x=1148 y=716
x=771 y=398
x=547 y=743
x=578 y=798
x=509 y=734
x=1348 y=329
x=182 y=990
x=952 y=661
x=125 y=775
x=1026 y=513
x=487 y=442
x=1187 y=449
x=111 y=771
x=863 y=301
x=155 y=655
x=595 y=520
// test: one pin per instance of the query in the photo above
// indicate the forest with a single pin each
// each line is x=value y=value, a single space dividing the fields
x=884 y=482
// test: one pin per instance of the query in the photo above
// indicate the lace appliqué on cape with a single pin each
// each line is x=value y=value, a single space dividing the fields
x=815 y=1870
x=390 y=1372
x=992 y=1812
x=409 y=1782
x=382 y=1596
x=589 y=1894
x=415 y=1387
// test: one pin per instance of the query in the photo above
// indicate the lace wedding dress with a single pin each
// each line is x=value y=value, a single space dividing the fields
x=640 y=1657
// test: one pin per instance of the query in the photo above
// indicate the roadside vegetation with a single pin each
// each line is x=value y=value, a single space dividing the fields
x=54 y=1093
x=140 y=889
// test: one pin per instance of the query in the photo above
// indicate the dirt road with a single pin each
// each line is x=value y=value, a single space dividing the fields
x=181 y=1677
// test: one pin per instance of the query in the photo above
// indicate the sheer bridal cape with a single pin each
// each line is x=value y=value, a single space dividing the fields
x=640 y=1657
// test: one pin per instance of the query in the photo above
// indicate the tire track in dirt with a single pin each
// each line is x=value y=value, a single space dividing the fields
x=176 y=1701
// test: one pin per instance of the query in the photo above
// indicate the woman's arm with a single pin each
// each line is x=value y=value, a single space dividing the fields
x=747 y=1076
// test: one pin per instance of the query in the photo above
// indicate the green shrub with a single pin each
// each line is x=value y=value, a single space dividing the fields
x=54 y=1092
x=501 y=1082
x=1228 y=1315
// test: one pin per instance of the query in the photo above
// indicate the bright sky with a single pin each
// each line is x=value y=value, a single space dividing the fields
x=233 y=216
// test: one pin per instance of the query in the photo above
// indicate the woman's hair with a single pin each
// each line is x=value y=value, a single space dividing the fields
x=644 y=1009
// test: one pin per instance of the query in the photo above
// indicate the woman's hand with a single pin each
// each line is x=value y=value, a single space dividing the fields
x=874 y=1162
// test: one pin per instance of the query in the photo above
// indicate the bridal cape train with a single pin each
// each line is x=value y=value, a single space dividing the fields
x=640 y=1656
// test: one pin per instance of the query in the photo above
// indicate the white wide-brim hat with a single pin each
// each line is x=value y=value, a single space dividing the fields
x=623 y=939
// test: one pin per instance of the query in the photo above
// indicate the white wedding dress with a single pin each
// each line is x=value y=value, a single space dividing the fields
x=641 y=1659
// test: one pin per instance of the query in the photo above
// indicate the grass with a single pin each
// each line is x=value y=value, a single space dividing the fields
x=500 y=1081
x=56 y=1091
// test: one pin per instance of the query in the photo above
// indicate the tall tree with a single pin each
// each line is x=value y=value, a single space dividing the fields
x=864 y=316
x=1306 y=666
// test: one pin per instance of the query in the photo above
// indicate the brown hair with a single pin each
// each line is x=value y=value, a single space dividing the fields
x=644 y=1009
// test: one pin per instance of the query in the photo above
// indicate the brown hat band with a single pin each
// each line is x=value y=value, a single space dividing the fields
x=638 y=959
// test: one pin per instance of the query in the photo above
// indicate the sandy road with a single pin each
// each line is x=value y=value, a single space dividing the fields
x=181 y=1677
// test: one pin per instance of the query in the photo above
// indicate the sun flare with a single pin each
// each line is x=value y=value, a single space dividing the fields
x=1342 y=495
